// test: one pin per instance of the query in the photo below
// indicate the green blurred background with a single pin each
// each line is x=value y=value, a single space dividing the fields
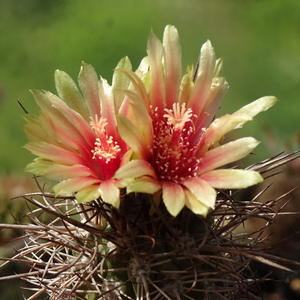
x=259 y=41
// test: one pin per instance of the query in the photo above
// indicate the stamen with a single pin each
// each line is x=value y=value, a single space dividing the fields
x=106 y=148
x=98 y=124
x=106 y=152
x=178 y=116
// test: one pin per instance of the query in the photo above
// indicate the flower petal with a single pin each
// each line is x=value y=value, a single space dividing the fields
x=186 y=87
x=232 y=179
x=216 y=94
x=138 y=86
x=141 y=118
x=110 y=193
x=218 y=128
x=73 y=185
x=34 y=131
x=155 y=52
x=197 y=101
x=134 y=169
x=68 y=119
x=88 y=194
x=107 y=107
x=69 y=93
x=172 y=47
x=173 y=197
x=132 y=136
x=194 y=204
x=54 y=153
x=120 y=81
x=202 y=191
x=226 y=154
x=88 y=82
x=57 y=171
x=257 y=106
x=145 y=184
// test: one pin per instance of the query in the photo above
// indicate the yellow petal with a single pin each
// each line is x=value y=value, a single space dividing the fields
x=173 y=197
x=132 y=136
x=232 y=179
x=257 y=106
x=202 y=191
x=134 y=169
x=110 y=193
x=120 y=81
x=219 y=127
x=73 y=185
x=145 y=184
x=88 y=194
x=194 y=204
x=70 y=94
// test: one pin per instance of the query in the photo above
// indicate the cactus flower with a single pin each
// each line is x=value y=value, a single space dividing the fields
x=75 y=135
x=171 y=128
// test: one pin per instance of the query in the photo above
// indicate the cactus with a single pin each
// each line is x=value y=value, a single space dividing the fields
x=142 y=209
x=95 y=251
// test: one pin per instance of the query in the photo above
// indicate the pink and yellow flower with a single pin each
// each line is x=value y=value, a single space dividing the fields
x=75 y=135
x=170 y=127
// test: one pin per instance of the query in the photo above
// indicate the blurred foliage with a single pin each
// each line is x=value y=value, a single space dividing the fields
x=259 y=41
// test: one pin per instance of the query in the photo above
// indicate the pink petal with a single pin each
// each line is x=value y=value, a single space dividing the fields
x=172 y=64
x=173 y=197
x=108 y=108
x=53 y=171
x=110 y=193
x=198 y=99
x=69 y=120
x=53 y=134
x=232 y=179
x=61 y=172
x=216 y=94
x=226 y=154
x=202 y=191
x=219 y=128
x=54 y=153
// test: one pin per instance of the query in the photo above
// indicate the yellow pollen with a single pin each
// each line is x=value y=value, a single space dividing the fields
x=106 y=152
x=105 y=148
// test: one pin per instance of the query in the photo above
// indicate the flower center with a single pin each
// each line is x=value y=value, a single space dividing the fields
x=106 y=149
x=178 y=116
x=174 y=153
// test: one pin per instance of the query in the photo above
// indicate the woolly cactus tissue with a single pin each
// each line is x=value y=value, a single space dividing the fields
x=144 y=204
